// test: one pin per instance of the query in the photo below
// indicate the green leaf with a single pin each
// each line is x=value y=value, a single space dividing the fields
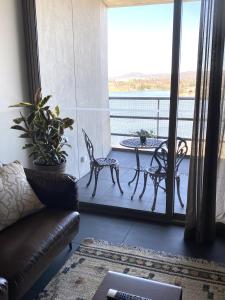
x=46 y=107
x=18 y=120
x=28 y=146
x=52 y=114
x=57 y=110
x=22 y=104
x=25 y=136
x=68 y=122
x=30 y=118
x=33 y=154
x=64 y=153
x=43 y=115
x=24 y=119
x=44 y=101
x=18 y=127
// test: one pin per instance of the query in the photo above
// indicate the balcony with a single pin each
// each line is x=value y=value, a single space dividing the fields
x=127 y=115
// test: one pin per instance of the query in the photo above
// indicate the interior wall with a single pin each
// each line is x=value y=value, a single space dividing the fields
x=73 y=64
x=13 y=79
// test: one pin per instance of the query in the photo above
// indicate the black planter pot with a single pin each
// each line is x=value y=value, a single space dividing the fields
x=51 y=168
x=143 y=139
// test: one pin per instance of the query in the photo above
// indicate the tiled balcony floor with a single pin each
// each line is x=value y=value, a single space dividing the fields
x=109 y=194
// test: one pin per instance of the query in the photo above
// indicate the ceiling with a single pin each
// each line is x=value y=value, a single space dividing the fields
x=120 y=3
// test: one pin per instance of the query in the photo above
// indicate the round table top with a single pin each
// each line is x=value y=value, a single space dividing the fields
x=136 y=143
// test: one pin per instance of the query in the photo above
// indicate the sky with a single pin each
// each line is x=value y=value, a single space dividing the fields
x=140 y=38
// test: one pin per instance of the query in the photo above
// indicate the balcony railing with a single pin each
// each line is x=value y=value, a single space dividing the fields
x=128 y=115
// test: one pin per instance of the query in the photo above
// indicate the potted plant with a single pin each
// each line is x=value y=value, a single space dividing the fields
x=143 y=134
x=44 y=129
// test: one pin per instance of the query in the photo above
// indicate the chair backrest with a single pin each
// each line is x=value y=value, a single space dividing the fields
x=89 y=145
x=161 y=154
x=182 y=149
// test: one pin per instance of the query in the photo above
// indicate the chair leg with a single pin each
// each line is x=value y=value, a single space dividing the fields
x=163 y=188
x=132 y=180
x=145 y=183
x=96 y=171
x=70 y=246
x=138 y=174
x=111 y=170
x=178 y=191
x=91 y=173
x=118 y=179
x=156 y=186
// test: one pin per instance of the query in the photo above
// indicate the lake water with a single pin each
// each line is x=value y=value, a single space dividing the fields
x=148 y=108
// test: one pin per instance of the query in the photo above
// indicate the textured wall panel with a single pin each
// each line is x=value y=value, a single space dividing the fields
x=73 y=65
x=13 y=78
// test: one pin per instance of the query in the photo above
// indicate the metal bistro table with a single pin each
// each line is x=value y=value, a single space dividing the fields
x=136 y=144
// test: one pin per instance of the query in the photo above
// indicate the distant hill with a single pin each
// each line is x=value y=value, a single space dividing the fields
x=141 y=82
x=139 y=75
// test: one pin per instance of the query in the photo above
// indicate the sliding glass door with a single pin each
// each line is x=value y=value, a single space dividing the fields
x=140 y=51
x=152 y=69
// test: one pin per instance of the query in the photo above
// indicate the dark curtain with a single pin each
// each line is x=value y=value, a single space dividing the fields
x=31 y=45
x=201 y=204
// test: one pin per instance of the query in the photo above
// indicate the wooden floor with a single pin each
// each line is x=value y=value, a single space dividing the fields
x=109 y=195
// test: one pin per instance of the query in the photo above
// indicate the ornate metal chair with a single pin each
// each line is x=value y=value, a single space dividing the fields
x=97 y=164
x=158 y=173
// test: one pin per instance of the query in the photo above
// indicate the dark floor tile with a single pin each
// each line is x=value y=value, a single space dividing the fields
x=102 y=227
x=154 y=236
x=170 y=239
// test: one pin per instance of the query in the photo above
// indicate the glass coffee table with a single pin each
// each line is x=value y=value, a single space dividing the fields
x=135 y=143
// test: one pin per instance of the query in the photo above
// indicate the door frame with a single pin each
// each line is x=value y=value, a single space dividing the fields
x=174 y=98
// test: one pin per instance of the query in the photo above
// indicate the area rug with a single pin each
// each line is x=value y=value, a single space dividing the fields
x=84 y=271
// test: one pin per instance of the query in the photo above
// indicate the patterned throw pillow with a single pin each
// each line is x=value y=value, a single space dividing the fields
x=17 y=199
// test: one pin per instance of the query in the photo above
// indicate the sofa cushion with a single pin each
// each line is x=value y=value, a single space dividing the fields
x=31 y=244
x=17 y=199
x=54 y=190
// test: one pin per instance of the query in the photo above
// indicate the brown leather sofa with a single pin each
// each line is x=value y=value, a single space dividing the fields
x=28 y=246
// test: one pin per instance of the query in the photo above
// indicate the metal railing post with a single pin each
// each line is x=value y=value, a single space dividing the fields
x=158 y=107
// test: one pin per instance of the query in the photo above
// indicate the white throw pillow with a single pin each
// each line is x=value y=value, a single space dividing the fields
x=17 y=199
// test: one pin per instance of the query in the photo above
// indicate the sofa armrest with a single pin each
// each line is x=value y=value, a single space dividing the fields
x=54 y=190
x=3 y=289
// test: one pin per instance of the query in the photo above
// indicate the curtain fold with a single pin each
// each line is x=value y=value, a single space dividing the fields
x=220 y=196
x=202 y=185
